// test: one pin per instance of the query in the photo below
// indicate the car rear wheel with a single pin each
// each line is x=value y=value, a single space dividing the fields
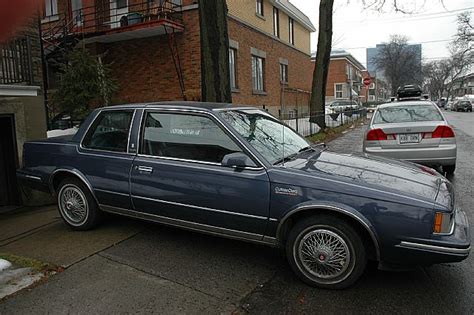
x=449 y=169
x=76 y=205
x=326 y=252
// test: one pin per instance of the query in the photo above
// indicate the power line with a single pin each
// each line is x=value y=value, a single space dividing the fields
x=415 y=17
x=423 y=42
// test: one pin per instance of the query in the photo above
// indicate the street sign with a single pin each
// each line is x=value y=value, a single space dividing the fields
x=367 y=81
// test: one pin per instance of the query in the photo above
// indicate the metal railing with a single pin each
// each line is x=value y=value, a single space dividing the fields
x=15 y=62
x=306 y=124
x=108 y=15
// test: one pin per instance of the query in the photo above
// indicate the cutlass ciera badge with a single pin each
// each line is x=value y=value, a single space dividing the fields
x=286 y=191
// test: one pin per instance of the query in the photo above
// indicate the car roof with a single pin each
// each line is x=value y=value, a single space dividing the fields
x=402 y=103
x=207 y=106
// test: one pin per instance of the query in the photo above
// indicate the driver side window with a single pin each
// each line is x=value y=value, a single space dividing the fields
x=185 y=136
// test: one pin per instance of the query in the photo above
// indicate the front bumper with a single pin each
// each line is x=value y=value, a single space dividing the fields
x=440 y=248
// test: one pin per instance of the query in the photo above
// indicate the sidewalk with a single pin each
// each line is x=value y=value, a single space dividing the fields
x=39 y=233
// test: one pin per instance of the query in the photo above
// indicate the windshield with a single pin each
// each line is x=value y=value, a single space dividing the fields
x=407 y=113
x=274 y=140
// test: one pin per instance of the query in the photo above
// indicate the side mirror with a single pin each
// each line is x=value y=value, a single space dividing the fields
x=238 y=160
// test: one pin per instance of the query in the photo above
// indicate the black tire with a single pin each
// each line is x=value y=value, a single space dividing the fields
x=76 y=216
x=449 y=169
x=310 y=227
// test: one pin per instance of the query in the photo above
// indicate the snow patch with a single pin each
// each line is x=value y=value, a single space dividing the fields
x=13 y=280
x=61 y=132
x=4 y=264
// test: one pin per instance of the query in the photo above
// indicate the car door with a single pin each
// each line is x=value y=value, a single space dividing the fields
x=104 y=158
x=177 y=175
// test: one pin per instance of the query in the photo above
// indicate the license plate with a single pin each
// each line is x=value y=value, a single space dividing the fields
x=409 y=138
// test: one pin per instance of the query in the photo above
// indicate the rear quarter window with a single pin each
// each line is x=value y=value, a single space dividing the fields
x=407 y=113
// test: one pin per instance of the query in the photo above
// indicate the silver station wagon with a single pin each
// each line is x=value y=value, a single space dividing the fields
x=412 y=130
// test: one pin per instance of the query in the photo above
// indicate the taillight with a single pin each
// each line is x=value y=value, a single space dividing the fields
x=443 y=132
x=378 y=134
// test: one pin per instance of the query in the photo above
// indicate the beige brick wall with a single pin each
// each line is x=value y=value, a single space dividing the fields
x=245 y=11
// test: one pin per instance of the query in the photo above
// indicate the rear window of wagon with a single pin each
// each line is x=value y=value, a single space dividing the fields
x=407 y=113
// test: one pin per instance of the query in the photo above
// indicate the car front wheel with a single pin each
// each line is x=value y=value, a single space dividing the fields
x=77 y=205
x=326 y=252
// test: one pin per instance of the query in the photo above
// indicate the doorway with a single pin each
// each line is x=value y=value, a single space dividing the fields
x=9 y=194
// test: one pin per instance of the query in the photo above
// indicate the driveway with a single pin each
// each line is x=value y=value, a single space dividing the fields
x=165 y=270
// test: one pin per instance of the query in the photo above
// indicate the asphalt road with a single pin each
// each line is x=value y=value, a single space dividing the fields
x=166 y=270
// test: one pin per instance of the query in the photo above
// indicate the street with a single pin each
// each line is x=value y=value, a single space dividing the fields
x=166 y=270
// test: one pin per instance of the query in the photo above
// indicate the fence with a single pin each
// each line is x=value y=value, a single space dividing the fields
x=306 y=124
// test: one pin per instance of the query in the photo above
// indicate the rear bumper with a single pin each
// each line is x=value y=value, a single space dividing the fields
x=454 y=247
x=442 y=155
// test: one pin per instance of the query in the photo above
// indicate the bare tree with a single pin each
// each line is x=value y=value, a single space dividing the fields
x=215 y=76
x=436 y=75
x=399 y=63
x=323 y=54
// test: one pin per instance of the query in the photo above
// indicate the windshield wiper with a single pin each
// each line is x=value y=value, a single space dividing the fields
x=286 y=158
x=313 y=146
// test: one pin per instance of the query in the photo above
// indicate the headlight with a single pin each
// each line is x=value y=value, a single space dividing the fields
x=443 y=222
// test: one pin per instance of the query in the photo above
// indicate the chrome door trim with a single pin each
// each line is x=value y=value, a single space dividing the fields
x=200 y=208
x=193 y=226
x=166 y=158
x=111 y=192
x=366 y=226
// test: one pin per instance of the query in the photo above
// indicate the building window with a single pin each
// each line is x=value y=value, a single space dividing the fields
x=257 y=73
x=372 y=86
x=291 y=30
x=339 y=90
x=121 y=4
x=51 y=8
x=276 y=22
x=233 y=68
x=259 y=7
x=371 y=98
x=283 y=73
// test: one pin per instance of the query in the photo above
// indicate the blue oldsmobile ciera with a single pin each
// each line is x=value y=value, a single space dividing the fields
x=240 y=173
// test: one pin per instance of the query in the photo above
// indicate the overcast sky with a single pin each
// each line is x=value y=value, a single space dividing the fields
x=432 y=24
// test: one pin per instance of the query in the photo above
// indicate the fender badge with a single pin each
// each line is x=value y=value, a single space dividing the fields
x=286 y=191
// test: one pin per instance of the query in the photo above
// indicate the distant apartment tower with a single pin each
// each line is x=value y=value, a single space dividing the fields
x=372 y=68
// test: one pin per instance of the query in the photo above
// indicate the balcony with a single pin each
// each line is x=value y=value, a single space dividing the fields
x=115 y=20
x=15 y=62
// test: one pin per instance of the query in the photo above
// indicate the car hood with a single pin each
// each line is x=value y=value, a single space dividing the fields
x=404 y=178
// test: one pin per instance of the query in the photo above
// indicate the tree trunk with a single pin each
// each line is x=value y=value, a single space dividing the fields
x=215 y=77
x=323 y=54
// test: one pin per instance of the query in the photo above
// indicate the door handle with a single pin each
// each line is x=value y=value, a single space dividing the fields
x=144 y=169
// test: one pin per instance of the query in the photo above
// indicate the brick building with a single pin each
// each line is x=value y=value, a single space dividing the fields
x=344 y=77
x=22 y=111
x=154 y=47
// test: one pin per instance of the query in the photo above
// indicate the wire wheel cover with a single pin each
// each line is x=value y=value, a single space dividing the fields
x=73 y=204
x=324 y=254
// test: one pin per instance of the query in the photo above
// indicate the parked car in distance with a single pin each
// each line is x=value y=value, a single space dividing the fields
x=449 y=105
x=415 y=131
x=341 y=105
x=371 y=108
x=464 y=105
x=240 y=173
